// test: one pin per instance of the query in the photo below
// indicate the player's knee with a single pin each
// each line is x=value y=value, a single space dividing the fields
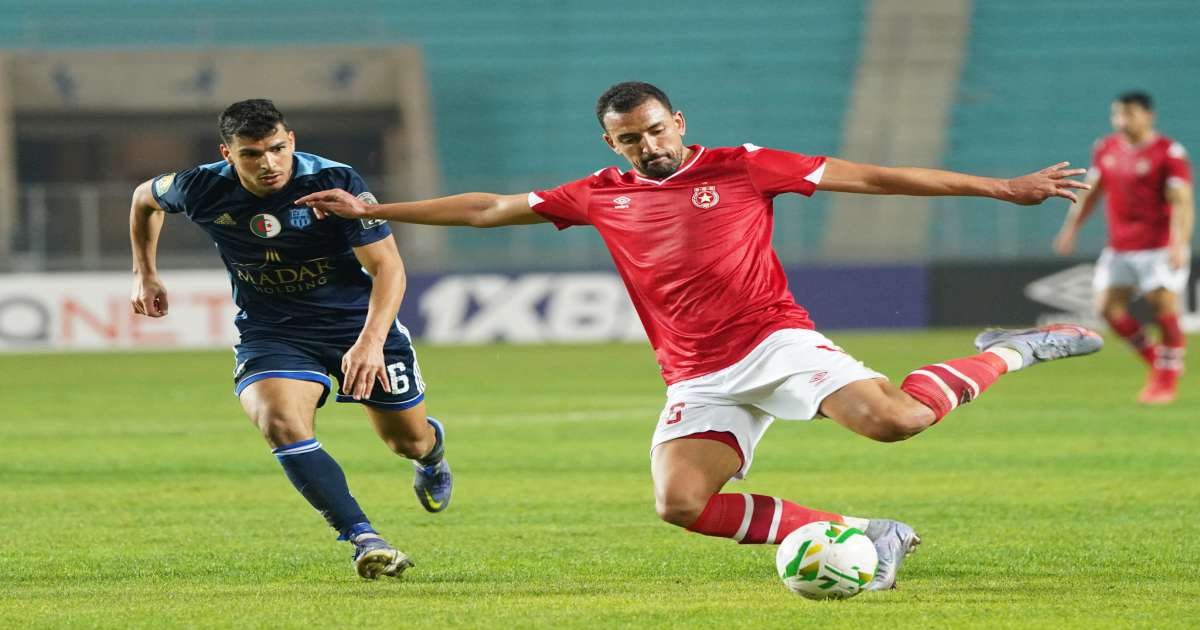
x=1113 y=307
x=680 y=509
x=1113 y=312
x=280 y=430
x=1163 y=303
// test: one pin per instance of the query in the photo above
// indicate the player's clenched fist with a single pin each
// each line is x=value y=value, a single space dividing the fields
x=149 y=297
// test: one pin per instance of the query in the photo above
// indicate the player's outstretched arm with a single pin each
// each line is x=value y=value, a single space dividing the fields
x=469 y=209
x=1027 y=190
x=1064 y=242
x=145 y=224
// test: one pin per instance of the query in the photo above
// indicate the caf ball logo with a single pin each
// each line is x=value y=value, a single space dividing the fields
x=265 y=225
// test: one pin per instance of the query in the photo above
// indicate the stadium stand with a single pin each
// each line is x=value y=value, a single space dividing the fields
x=1036 y=86
x=514 y=87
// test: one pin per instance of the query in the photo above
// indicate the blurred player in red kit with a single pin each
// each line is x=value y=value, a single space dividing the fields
x=1148 y=181
x=689 y=230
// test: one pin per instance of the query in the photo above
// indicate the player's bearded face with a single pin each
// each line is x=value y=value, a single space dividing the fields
x=649 y=136
x=263 y=165
x=660 y=163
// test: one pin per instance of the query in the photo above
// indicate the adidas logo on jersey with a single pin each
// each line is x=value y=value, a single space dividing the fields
x=225 y=219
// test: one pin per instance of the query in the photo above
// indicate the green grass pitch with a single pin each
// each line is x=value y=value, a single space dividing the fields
x=135 y=494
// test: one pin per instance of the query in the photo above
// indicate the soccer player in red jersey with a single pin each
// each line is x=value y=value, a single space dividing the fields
x=689 y=229
x=1148 y=181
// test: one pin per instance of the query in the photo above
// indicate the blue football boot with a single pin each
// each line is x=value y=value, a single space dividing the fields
x=433 y=482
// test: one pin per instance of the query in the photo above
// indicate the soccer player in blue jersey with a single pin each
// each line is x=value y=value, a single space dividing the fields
x=316 y=298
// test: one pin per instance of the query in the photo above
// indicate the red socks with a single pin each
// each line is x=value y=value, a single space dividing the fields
x=1170 y=354
x=1128 y=327
x=754 y=518
x=944 y=386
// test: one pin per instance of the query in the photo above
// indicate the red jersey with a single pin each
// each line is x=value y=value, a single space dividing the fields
x=694 y=249
x=1135 y=180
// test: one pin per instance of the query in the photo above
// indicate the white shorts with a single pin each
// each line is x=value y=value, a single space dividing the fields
x=1144 y=270
x=785 y=376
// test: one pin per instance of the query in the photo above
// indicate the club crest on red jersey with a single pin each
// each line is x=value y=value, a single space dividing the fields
x=705 y=197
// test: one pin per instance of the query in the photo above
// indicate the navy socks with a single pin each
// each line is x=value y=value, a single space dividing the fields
x=319 y=478
x=439 y=448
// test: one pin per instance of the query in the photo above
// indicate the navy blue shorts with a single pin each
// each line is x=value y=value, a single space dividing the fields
x=265 y=355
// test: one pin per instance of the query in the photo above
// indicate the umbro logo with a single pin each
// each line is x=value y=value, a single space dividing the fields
x=621 y=203
x=1069 y=289
x=225 y=219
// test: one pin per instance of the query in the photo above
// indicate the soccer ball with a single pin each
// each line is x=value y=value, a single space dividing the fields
x=826 y=560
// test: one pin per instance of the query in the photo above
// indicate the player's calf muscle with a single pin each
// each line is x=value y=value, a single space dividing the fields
x=410 y=446
x=406 y=433
x=889 y=427
x=903 y=421
x=878 y=412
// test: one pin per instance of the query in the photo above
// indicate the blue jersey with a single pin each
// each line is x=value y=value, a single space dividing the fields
x=288 y=269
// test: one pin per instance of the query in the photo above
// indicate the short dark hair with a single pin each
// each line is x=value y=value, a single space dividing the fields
x=255 y=119
x=1136 y=97
x=623 y=97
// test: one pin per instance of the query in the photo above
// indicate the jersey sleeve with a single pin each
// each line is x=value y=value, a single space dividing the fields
x=1179 y=168
x=566 y=205
x=361 y=232
x=170 y=190
x=774 y=172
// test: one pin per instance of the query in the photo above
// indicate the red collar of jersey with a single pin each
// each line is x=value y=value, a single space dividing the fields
x=697 y=151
